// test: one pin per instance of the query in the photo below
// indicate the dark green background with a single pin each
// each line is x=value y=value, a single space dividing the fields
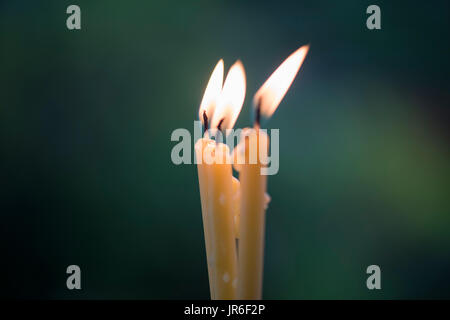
x=85 y=124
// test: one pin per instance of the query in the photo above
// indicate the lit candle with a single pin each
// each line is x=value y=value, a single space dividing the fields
x=215 y=179
x=207 y=106
x=253 y=146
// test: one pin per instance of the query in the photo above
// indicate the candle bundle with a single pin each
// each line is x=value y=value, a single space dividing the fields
x=233 y=210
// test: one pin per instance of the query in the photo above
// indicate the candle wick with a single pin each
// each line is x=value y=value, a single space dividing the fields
x=219 y=129
x=205 y=120
x=257 y=122
x=220 y=124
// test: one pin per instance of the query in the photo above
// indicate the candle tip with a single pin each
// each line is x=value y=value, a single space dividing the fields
x=205 y=120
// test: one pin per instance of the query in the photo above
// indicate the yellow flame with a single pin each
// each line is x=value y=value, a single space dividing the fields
x=273 y=90
x=231 y=98
x=212 y=92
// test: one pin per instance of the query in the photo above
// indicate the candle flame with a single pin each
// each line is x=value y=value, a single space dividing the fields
x=269 y=96
x=212 y=92
x=231 y=98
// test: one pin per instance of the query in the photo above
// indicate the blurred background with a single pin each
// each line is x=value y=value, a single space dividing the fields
x=85 y=124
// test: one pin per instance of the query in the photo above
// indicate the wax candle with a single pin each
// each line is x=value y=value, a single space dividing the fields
x=221 y=221
x=216 y=192
x=207 y=107
x=254 y=146
x=202 y=170
x=252 y=217
x=221 y=105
